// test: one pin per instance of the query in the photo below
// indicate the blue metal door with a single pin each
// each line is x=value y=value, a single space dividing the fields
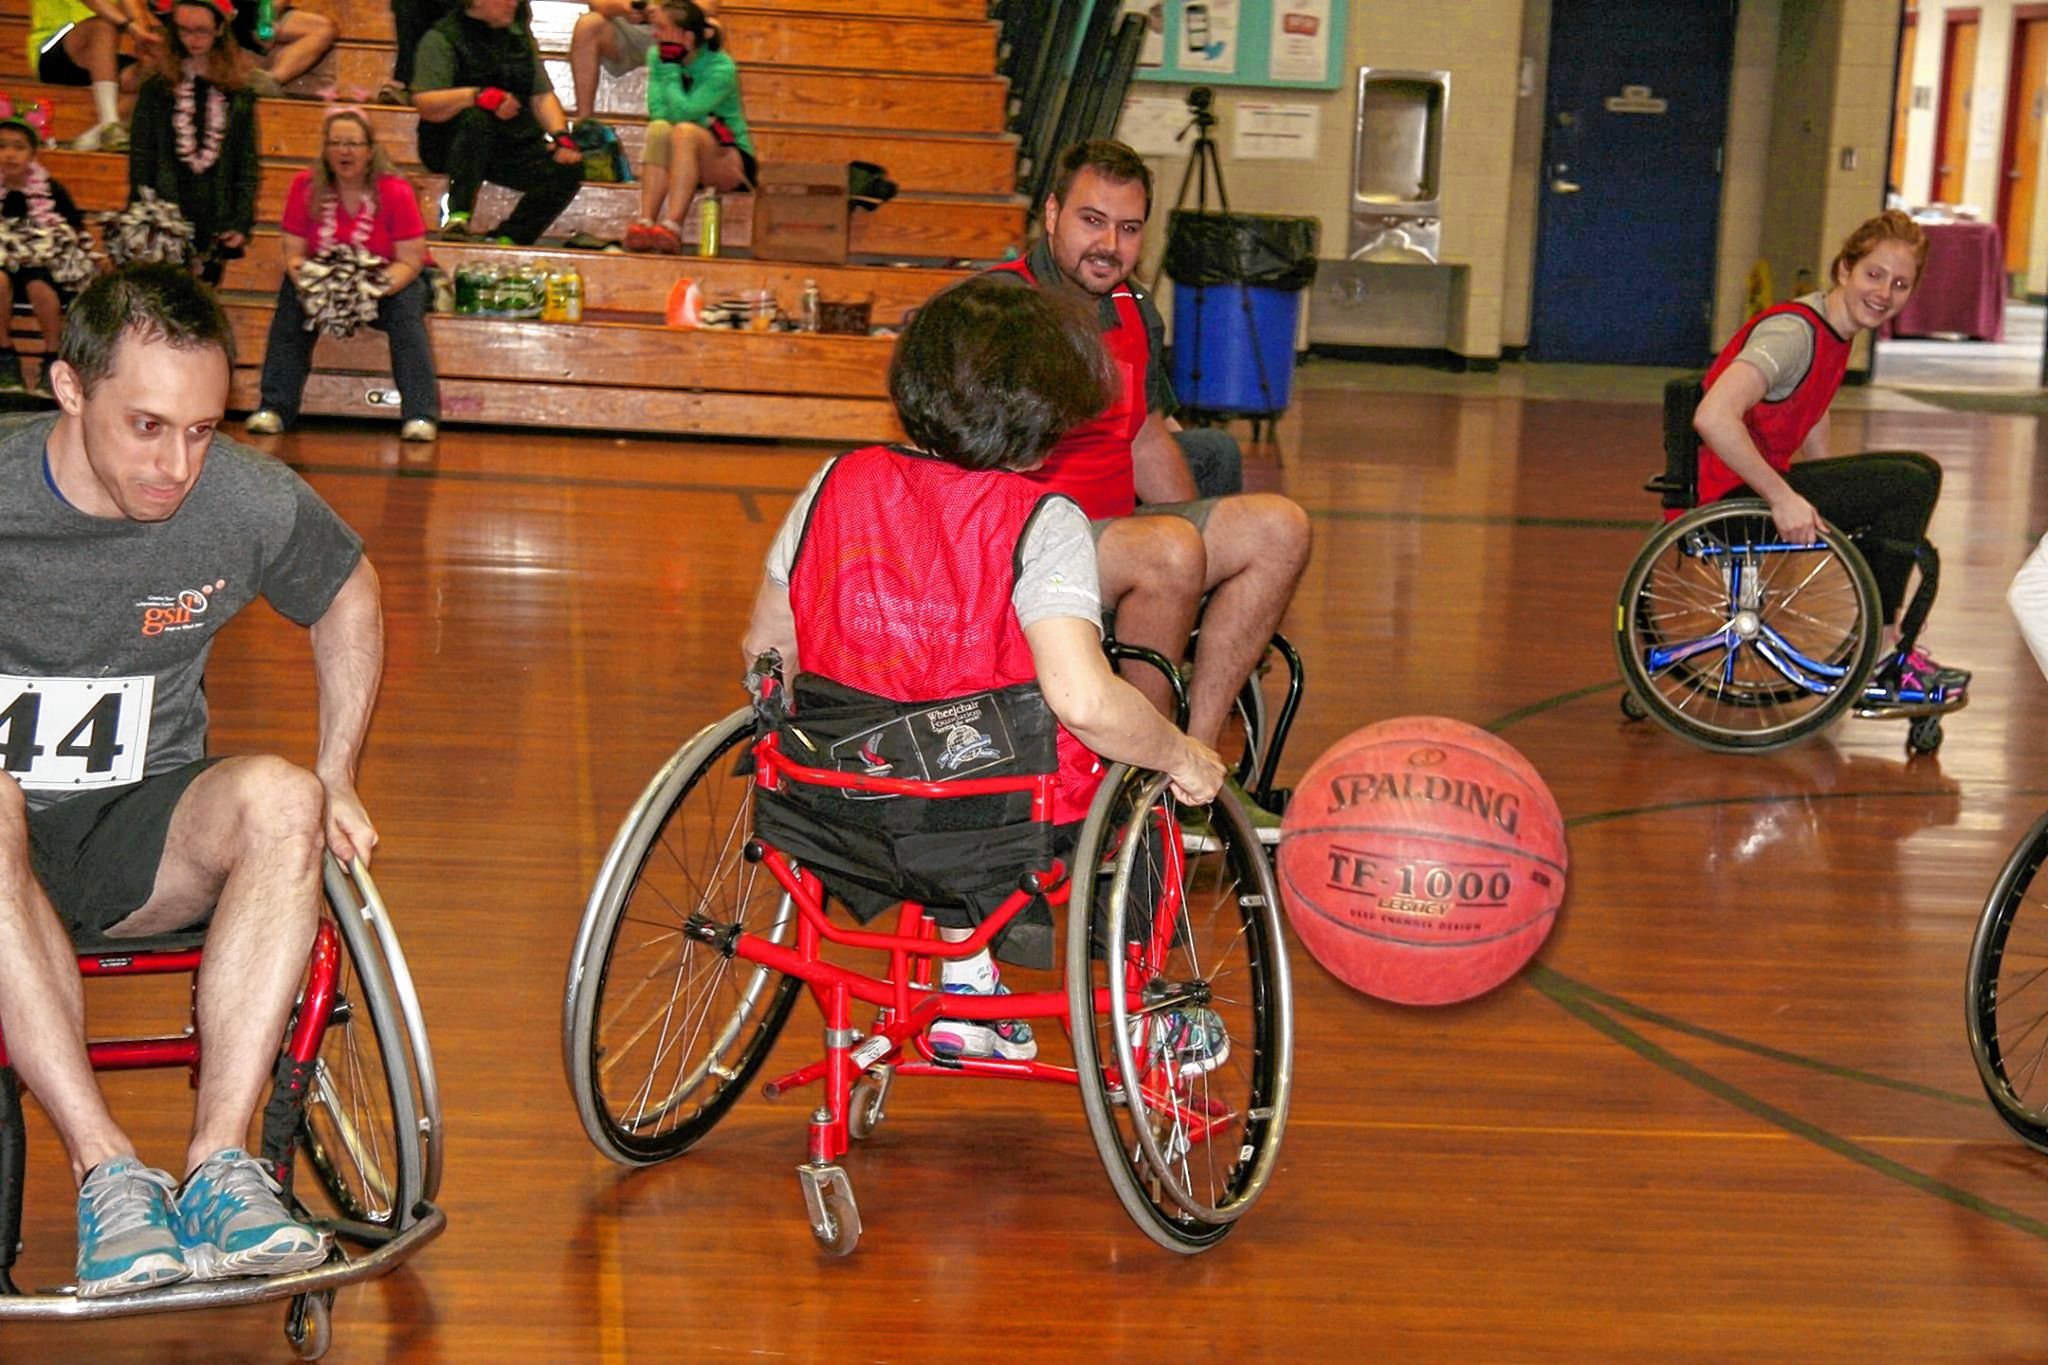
x=1631 y=193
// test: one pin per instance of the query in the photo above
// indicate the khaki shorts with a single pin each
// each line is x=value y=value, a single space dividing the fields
x=1195 y=513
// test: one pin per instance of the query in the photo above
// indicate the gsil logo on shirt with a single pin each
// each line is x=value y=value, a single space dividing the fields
x=181 y=611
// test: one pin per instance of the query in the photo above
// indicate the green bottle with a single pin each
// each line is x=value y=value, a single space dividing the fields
x=266 y=21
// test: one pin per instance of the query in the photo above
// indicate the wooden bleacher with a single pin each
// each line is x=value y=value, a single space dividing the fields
x=908 y=84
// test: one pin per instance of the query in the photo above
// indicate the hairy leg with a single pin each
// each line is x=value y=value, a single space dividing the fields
x=1257 y=547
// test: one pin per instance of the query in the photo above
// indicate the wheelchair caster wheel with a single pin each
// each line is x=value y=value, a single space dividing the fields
x=1924 y=736
x=1632 y=708
x=309 y=1324
x=867 y=1106
x=828 y=1199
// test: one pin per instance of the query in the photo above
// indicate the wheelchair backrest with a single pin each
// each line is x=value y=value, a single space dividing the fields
x=1679 y=483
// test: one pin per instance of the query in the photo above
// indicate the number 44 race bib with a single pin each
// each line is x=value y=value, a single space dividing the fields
x=74 y=734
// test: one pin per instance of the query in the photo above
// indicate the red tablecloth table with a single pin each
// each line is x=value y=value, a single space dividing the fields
x=1963 y=288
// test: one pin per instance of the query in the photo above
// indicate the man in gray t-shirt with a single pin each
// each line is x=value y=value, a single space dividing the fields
x=130 y=532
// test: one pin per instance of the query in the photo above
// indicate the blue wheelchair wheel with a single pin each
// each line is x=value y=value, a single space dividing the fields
x=1738 y=641
x=2005 y=1001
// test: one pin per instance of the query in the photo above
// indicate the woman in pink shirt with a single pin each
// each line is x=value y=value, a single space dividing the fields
x=352 y=196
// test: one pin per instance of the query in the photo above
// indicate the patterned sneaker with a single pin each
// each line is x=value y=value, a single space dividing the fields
x=125 y=1241
x=1193 y=1041
x=1010 y=1039
x=231 y=1222
x=1917 y=668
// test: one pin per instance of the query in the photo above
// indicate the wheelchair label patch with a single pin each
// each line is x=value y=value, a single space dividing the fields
x=74 y=734
x=958 y=739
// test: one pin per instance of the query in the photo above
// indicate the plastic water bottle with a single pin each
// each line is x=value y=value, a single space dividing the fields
x=266 y=21
x=707 y=225
x=807 y=317
x=572 y=296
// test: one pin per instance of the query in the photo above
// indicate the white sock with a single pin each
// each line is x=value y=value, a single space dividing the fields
x=106 y=101
x=977 y=973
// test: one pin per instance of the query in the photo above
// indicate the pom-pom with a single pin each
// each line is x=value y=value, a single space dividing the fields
x=339 y=289
x=57 y=247
x=150 y=230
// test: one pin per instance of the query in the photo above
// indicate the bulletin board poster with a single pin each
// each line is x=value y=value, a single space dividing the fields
x=1292 y=44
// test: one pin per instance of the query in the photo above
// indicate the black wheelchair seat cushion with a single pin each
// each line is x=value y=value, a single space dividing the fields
x=964 y=853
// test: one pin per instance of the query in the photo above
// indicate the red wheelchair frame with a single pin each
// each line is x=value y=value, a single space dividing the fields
x=382 y=1004
x=616 y=1022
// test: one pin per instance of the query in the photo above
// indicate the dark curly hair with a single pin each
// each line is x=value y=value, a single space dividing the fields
x=992 y=372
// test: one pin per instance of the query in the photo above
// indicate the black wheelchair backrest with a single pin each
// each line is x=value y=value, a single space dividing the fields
x=1679 y=483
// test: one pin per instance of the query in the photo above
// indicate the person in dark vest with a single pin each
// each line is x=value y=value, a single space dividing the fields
x=193 y=138
x=1163 y=545
x=488 y=112
x=935 y=570
x=1766 y=406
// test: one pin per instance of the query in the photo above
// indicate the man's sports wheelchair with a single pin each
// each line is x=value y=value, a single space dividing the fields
x=1740 y=642
x=710 y=914
x=354 y=1094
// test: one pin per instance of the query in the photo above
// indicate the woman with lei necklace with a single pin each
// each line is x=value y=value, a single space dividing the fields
x=28 y=193
x=193 y=135
x=351 y=197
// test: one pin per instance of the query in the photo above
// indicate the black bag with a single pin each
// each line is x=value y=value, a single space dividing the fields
x=874 y=850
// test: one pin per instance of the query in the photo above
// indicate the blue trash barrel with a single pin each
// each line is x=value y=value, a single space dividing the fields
x=1237 y=284
x=1233 y=347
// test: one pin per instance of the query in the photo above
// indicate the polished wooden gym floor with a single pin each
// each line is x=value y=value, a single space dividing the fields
x=1730 y=1113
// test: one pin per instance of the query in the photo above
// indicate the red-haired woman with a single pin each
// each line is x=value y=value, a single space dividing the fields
x=1766 y=405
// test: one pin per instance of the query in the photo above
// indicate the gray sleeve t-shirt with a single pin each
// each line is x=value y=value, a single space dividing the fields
x=1781 y=349
x=98 y=605
x=1055 y=565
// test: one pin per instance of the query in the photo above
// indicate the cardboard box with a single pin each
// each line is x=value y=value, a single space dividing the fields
x=800 y=212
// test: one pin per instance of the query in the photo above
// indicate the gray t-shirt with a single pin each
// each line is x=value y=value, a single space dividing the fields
x=1781 y=348
x=1055 y=566
x=105 y=611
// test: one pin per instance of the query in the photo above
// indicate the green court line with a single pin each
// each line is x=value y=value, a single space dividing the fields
x=1552 y=977
x=1537 y=708
x=1579 y=1007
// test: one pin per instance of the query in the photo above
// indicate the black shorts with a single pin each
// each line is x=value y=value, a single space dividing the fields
x=19 y=280
x=55 y=67
x=96 y=854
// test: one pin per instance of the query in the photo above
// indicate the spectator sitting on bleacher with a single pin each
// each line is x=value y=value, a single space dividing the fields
x=192 y=137
x=488 y=111
x=27 y=191
x=696 y=131
x=77 y=42
x=297 y=41
x=615 y=36
x=410 y=21
x=352 y=195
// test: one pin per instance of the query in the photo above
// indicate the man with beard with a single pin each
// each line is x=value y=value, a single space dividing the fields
x=1160 y=547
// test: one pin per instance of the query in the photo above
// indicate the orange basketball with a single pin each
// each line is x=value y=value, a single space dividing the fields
x=1422 y=860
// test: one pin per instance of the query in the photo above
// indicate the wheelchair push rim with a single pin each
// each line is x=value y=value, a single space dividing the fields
x=2005 y=1004
x=371 y=1127
x=1739 y=642
x=663 y=1032
x=1187 y=1154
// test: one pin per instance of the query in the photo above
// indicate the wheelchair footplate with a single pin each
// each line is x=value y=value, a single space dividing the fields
x=337 y=1272
x=1880 y=702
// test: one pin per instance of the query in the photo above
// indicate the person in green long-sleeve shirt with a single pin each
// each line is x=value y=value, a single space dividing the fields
x=697 y=131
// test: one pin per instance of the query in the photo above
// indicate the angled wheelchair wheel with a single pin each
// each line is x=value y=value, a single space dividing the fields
x=1738 y=642
x=371 y=1126
x=1188 y=1150
x=662 y=1032
x=2006 y=996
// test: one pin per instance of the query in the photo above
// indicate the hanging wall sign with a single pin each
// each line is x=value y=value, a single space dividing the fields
x=1296 y=44
x=1636 y=99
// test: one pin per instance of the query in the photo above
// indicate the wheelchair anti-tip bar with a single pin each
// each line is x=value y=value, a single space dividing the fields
x=335 y=1274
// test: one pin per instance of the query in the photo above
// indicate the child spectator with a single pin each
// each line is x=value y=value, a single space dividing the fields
x=697 y=131
x=76 y=42
x=193 y=134
x=30 y=193
x=353 y=196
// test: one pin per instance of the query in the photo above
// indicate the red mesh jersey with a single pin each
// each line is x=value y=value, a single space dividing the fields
x=1779 y=428
x=901 y=588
